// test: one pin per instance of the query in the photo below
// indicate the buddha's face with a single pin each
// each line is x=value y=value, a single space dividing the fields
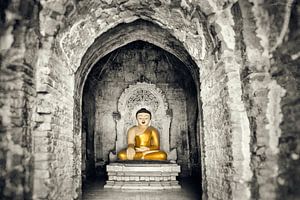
x=143 y=119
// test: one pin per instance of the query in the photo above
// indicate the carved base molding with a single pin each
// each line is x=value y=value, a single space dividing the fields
x=142 y=176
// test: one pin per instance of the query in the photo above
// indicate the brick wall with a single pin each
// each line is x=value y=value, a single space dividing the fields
x=53 y=130
x=53 y=141
x=18 y=47
x=248 y=78
x=285 y=70
x=265 y=95
x=218 y=138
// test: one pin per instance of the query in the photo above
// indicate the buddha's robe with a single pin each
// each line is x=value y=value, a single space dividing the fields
x=149 y=138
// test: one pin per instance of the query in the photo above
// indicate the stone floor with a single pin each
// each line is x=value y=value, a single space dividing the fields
x=95 y=191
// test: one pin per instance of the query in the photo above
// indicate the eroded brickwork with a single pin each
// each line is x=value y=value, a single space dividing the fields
x=18 y=47
x=247 y=56
x=53 y=139
x=285 y=70
x=264 y=28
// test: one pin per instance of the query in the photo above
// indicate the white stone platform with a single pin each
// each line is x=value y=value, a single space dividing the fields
x=142 y=175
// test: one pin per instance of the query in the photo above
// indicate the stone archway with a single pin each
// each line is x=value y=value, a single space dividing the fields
x=190 y=39
x=117 y=85
x=137 y=30
x=212 y=94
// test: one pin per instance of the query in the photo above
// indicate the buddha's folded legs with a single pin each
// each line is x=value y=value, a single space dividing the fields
x=151 y=155
x=159 y=155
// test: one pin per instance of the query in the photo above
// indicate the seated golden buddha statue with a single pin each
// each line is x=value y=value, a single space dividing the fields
x=143 y=140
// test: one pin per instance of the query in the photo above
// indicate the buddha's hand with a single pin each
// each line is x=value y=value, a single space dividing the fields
x=142 y=149
x=130 y=153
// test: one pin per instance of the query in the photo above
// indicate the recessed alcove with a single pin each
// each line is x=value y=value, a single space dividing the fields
x=139 y=62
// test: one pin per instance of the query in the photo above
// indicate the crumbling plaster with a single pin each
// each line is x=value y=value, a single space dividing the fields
x=55 y=48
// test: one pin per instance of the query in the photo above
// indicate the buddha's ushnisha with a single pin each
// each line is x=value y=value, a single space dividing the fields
x=143 y=140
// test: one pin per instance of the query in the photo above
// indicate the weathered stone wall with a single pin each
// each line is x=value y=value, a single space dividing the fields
x=88 y=130
x=218 y=152
x=193 y=122
x=248 y=74
x=53 y=130
x=140 y=61
x=54 y=149
x=226 y=127
x=18 y=47
x=264 y=29
x=225 y=124
x=285 y=70
x=265 y=26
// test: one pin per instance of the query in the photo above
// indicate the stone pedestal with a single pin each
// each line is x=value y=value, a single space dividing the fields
x=141 y=176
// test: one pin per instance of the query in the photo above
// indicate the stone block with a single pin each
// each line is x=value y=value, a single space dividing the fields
x=110 y=182
x=42 y=156
x=40 y=188
x=108 y=186
x=46 y=126
x=174 y=183
x=139 y=173
x=42 y=174
x=168 y=187
x=165 y=183
x=142 y=176
x=42 y=165
x=116 y=187
x=119 y=183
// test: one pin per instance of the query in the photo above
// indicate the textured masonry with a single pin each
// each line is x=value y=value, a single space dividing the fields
x=142 y=176
x=246 y=57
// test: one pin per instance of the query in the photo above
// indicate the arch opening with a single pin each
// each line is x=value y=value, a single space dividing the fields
x=97 y=65
x=138 y=62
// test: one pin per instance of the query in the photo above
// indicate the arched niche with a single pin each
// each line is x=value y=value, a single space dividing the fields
x=143 y=95
x=118 y=37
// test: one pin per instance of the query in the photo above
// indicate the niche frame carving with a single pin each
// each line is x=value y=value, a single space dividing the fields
x=135 y=97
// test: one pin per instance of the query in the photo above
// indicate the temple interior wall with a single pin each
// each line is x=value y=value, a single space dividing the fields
x=17 y=95
x=248 y=73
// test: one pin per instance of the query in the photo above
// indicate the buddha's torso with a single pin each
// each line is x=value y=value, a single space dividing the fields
x=148 y=138
x=144 y=139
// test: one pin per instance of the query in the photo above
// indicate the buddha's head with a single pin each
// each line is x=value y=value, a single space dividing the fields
x=143 y=116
